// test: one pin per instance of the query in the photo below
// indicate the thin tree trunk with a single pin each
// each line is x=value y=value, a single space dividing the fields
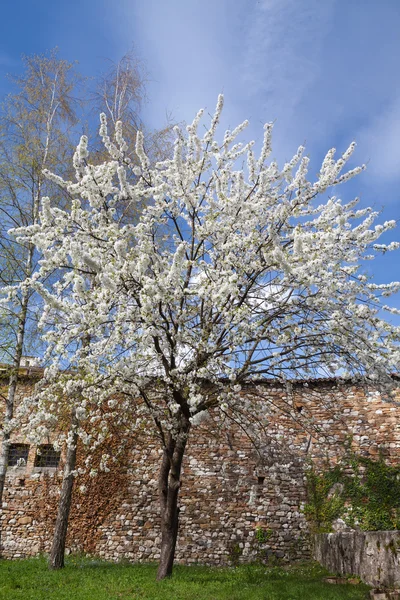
x=56 y=559
x=19 y=347
x=59 y=94
x=169 y=486
x=12 y=387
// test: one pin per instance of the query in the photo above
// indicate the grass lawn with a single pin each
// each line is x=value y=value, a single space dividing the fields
x=85 y=579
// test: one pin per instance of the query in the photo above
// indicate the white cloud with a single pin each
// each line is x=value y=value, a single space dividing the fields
x=282 y=46
x=281 y=64
x=319 y=68
x=380 y=142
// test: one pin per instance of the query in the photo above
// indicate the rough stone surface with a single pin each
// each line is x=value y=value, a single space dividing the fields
x=229 y=492
x=384 y=595
x=372 y=555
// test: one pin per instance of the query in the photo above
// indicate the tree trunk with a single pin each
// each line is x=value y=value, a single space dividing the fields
x=12 y=387
x=3 y=470
x=56 y=559
x=169 y=485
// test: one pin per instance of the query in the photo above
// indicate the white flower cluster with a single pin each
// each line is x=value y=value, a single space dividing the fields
x=227 y=275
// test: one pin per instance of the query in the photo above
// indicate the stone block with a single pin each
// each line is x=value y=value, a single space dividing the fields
x=372 y=555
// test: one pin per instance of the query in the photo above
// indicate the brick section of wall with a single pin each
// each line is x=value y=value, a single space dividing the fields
x=230 y=488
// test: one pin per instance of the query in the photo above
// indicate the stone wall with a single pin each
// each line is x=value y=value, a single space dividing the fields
x=238 y=502
x=372 y=555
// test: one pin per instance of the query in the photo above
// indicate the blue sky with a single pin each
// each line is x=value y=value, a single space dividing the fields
x=325 y=70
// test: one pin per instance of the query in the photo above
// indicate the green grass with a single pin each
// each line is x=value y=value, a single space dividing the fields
x=85 y=579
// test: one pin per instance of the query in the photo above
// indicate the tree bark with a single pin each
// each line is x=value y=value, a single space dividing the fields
x=56 y=559
x=169 y=486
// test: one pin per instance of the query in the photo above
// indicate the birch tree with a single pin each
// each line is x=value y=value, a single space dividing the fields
x=120 y=94
x=236 y=270
x=34 y=126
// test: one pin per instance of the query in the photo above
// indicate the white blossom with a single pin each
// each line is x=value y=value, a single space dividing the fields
x=227 y=276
